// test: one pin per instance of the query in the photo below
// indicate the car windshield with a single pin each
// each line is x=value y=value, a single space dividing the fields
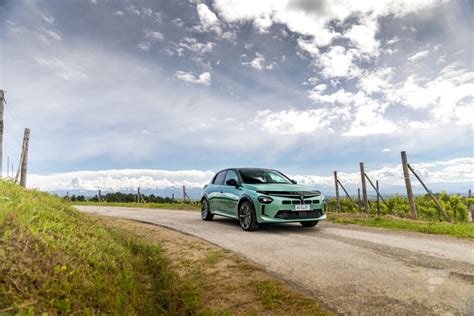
x=256 y=176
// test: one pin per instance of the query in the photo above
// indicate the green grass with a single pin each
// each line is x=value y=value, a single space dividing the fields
x=460 y=230
x=171 y=206
x=54 y=259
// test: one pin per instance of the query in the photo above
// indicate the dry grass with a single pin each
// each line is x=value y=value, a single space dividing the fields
x=222 y=282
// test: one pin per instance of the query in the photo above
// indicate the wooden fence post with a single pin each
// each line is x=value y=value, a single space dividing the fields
x=406 y=174
x=338 y=205
x=364 y=188
x=358 y=198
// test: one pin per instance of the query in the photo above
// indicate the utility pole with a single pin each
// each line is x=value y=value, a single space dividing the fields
x=338 y=204
x=184 y=193
x=406 y=174
x=2 y=97
x=24 y=163
x=364 y=188
x=8 y=166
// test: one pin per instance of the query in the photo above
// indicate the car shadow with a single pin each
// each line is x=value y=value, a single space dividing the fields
x=270 y=228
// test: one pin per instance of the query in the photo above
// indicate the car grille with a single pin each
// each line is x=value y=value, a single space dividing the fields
x=299 y=215
x=299 y=202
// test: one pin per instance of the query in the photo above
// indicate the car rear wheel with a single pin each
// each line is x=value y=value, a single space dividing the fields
x=247 y=219
x=205 y=211
x=309 y=224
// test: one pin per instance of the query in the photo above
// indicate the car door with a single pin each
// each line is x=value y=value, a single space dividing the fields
x=230 y=194
x=215 y=194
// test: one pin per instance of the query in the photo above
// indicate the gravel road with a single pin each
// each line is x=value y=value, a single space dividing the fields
x=352 y=269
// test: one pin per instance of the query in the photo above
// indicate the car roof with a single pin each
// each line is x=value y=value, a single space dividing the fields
x=248 y=168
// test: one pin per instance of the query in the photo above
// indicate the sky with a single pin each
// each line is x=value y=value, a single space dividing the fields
x=126 y=93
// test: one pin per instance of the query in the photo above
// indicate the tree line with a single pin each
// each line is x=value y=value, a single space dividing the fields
x=121 y=198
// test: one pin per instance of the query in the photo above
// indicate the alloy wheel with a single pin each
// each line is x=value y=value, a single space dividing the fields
x=245 y=216
x=204 y=209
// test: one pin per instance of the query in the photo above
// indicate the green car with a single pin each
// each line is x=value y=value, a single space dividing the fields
x=255 y=196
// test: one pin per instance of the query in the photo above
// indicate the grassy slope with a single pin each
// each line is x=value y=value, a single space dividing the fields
x=460 y=230
x=55 y=259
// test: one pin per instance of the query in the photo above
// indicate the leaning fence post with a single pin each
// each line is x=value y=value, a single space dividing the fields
x=440 y=208
x=378 y=198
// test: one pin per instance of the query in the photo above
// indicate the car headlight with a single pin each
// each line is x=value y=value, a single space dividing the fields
x=265 y=199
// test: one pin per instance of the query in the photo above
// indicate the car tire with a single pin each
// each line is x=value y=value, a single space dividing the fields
x=206 y=211
x=309 y=224
x=247 y=218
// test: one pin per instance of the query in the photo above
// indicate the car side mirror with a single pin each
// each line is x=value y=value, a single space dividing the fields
x=231 y=182
x=294 y=181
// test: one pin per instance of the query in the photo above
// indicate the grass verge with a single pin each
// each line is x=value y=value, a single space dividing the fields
x=460 y=230
x=56 y=260
x=170 y=206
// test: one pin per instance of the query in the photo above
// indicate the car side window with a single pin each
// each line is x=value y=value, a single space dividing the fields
x=219 y=180
x=231 y=175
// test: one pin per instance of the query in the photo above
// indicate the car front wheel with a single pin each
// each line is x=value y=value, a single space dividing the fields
x=309 y=224
x=247 y=219
x=205 y=211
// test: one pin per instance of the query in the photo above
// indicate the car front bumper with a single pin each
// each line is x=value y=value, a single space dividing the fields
x=278 y=212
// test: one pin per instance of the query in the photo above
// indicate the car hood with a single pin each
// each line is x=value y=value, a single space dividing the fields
x=275 y=187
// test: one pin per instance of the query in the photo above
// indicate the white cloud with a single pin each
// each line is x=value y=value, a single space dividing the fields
x=447 y=96
x=178 y=22
x=229 y=36
x=257 y=63
x=292 y=121
x=340 y=96
x=119 y=13
x=209 y=20
x=61 y=69
x=132 y=9
x=363 y=37
x=154 y=35
x=53 y=35
x=386 y=150
x=48 y=19
x=117 y=180
x=144 y=45
x=312 y=18
x=418 y=55
x=204 y=78
x=147 y=11
x=419 y=125
x=375 y=81
x=338 y=62
x=193 y=45
x=369 y=119
x=262 y=24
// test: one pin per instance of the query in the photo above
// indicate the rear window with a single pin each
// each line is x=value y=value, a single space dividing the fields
x=220 y=178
